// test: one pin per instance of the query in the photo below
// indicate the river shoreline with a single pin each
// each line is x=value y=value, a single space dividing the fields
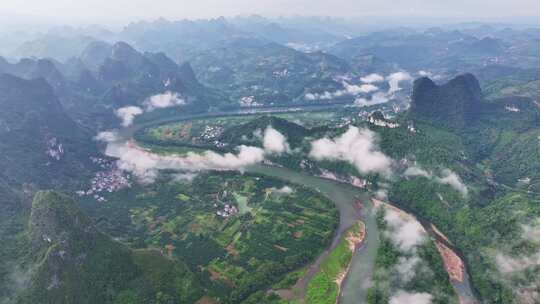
x=354 y=244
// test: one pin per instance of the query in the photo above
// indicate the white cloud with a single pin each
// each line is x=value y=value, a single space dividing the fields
x=159 y=101
x=285 y=190
x=357 y=146
x=325 y=95
x=423 y=73
x=372 y=78
x=405 y=231
x=376 y=99
x=382 y=194
x=184 y=178
x=406 y=267
x=510 y=264
x=403 y=297
x=127 y=114
x=107 y=136
x=348 y=89
x=515 y=265
x=274 y=141
x=531 y=232
x=395 y=79
x=145 y=165
x=453 y=180
x=258 y=134
x=354 y=89
x=165 y=100
x=417 y=171
x=448 y=177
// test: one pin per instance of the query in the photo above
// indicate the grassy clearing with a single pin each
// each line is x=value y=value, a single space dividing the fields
x=242 y=202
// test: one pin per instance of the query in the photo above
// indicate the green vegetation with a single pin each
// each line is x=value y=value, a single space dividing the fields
x=227 y=132
x=233 y=233
x=270 y=73
x=474 y=152
x=426 y=273
x=68 y=258
x=323 y=289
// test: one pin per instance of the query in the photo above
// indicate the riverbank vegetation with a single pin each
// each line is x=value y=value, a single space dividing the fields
x=324 y=287
x=404 y=267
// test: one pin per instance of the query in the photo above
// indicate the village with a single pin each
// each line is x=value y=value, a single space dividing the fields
x=110 y=179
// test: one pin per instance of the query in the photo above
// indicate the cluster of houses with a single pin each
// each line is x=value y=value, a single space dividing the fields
x=379 y=119
x=211 y=132
x=109 y=180
x=249 y=101
x=281 y=73
x=510 y=108
x=382 y=122
x=226 y=210
x=54 y=149
x=210 y=135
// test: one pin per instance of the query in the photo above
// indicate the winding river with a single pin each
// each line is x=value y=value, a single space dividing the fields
x=358 y=279
x=355 y=286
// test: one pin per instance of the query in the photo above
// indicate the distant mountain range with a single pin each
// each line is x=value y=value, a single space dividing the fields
x=267 y=72
x=106 y=77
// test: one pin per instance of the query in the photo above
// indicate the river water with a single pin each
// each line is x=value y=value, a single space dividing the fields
x=356 y=283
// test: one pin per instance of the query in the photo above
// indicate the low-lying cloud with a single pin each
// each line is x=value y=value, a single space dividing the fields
x=395 y=79
x=447 y=177
x=377 y=98
x=285 y=190
x=423 y=73
x=406 y=267
x=356 y=146
x=450 y=178
x=404 y=297
x=354 y=89
x=107 y=136
x=405 y=231
x=417 y=171
x=165 y=100
x=372 y=78
x=274 y=141
x=514 y=265
x=145 y=165
x=510 y=264
x=367 y=87
x=184 y=178
x=127 y=114
x=348 y=90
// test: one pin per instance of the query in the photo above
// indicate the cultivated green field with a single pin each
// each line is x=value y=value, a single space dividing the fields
x=239 y=234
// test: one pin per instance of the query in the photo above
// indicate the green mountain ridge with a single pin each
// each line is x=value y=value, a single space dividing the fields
x=72 y=262
x=454 y=104
x=41 y=146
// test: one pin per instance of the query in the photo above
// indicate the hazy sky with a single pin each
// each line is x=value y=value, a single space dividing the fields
x=129 y=10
